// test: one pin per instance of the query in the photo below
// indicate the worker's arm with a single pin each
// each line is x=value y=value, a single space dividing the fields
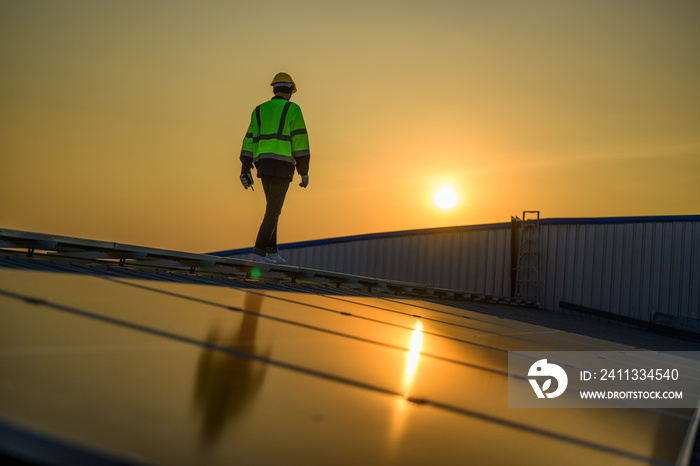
x=249 y=143
x=300 y=140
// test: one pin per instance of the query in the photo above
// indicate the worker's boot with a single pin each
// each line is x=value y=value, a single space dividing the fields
x=263 y=259
x=276 y=258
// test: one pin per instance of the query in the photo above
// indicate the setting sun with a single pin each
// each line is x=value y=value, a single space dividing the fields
x=445 y=198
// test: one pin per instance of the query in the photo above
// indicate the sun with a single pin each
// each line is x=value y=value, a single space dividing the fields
x=445 y=198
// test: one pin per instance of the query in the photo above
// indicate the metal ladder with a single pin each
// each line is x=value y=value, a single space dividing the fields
x=527 y=273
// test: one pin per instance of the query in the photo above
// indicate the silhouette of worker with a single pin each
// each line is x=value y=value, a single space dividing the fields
x=275 y=143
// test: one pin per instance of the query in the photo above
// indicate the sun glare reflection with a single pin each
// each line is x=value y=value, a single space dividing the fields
x=398 y=422
x=414 y=347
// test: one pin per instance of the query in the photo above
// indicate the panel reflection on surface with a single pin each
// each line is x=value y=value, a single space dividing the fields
x=184 y=374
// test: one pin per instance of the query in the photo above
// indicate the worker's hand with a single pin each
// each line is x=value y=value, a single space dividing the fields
x=304 y=181
x=247 y=180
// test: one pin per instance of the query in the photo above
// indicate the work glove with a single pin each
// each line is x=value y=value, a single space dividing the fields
x=304 y=181
x=247 y=180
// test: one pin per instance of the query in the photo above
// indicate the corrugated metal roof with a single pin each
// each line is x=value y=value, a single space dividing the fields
x=158 y=365
x=643 y=268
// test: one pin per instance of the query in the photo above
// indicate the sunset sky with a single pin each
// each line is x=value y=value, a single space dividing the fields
x=123 y=120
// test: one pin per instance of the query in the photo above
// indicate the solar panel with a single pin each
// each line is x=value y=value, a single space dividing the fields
x=155 y=372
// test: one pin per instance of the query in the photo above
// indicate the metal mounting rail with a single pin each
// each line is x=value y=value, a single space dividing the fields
x=40 y=246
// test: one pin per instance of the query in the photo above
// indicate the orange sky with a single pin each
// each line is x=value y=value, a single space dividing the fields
x=123 y=121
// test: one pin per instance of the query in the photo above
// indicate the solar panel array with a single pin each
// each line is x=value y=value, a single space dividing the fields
x=155 y=372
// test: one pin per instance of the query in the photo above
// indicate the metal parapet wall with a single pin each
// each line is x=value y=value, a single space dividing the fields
x=637 y=267
x=468 y=257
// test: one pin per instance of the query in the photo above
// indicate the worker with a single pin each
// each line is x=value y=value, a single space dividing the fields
x=276 y=143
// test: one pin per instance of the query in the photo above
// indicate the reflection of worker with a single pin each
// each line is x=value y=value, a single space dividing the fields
x=226 y=384
x=276 y=141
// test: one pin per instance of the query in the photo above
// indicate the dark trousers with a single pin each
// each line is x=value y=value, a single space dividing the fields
x=275 y=188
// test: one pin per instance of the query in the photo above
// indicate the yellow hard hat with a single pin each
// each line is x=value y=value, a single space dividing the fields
x=284 y=78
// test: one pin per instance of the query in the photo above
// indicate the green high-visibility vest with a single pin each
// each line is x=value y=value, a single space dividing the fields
x=277 y=131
